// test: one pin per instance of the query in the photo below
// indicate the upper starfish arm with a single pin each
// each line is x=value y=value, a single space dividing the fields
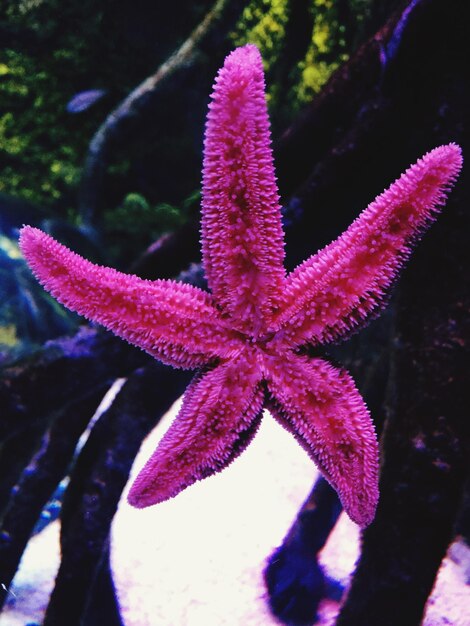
x=322 y=408
x=220 y=414
x=242 y=237
x=338 y=288
x=175 y=323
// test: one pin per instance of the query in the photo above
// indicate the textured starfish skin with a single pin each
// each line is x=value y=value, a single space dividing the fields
x=245 y=336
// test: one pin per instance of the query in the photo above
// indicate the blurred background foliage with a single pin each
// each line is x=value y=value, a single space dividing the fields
x=55 y=52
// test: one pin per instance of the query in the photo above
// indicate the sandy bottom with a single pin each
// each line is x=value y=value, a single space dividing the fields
x=198 y=559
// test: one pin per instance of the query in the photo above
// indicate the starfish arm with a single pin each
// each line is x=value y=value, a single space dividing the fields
x=322 y=408
x=342 y=285
x=242 y=236
x=175 y=323
x=220 y=414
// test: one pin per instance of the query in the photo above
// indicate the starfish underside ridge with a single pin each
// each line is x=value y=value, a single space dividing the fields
x=245 y=335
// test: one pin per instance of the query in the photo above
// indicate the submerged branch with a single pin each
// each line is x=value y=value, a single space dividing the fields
x=100 y=475
x=39 y=480
x=220 y=18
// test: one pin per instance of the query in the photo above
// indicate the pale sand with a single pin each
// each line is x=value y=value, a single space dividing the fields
x=197 y=560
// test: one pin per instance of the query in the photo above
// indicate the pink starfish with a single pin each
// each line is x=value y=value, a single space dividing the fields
x=245 y=337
